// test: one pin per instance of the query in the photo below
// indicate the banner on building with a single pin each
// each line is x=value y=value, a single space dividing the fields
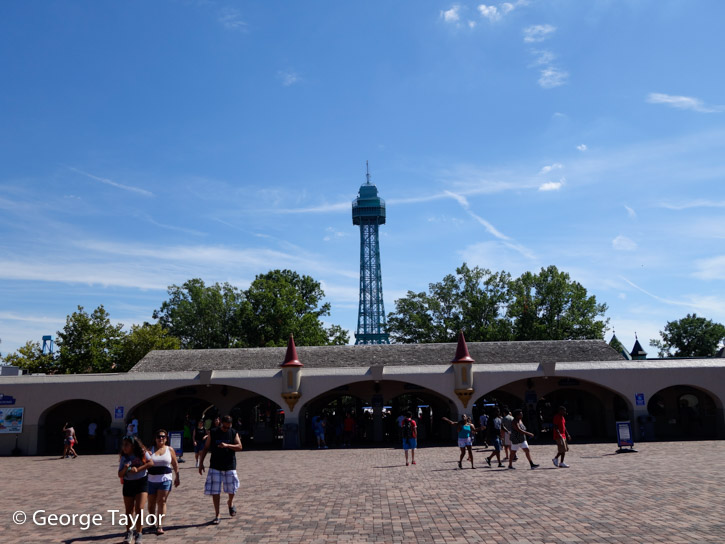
x=11 y=420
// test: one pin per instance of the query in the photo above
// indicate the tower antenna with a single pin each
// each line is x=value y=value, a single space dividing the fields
x=367 y=170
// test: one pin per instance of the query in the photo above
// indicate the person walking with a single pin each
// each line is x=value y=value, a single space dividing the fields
x=198 y=436
x=507 y=422
x=518 y=439
x=223 y=442
x=482 y=428
x=69 y=440
x=160 y=480
x=494 y=437
x=318 y=427
x=562 y=437
x=133 y=469
x=409 y=431
x=465 y=437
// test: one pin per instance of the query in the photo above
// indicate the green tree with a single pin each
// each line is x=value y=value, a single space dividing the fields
x=472 y=299
x=88 y=343
x=690 y=336
x=282 y=302
x=139 y=341
x=204 y=317
x=31 y=358
x=550 y=306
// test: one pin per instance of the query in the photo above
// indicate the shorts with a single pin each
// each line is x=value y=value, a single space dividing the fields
x=507 y=440
x=320 y=434
x=463 y=442
x=131 y=488
x=496 y=444
x=523 y=446
x=199 y=446
x=69 y=442
x=159 y=486
x=215 y=478
x=562 y=445
x=410 y=443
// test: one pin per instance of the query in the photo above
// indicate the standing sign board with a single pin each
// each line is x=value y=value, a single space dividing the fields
x=624 y=437
x=176 y=441
x=11 y=420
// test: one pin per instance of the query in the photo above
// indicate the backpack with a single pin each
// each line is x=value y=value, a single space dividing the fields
x=407 y=428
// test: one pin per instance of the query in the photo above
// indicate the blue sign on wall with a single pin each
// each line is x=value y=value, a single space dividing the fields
x=118 y=412
x=7 y=400
x=639 y=399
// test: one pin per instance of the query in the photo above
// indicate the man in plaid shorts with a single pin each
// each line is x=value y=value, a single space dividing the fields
x=223 y=442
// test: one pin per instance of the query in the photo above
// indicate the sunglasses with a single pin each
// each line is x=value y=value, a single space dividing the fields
x=160 y=436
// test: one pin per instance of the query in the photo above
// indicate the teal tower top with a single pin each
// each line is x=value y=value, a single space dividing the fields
x=368 y=211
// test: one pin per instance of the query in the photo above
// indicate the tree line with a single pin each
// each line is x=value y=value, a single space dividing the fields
x=488 y=306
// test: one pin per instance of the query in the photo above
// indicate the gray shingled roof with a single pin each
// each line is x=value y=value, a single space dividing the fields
x=368 y=355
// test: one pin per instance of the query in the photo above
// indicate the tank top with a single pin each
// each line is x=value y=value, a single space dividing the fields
x=517 y=437
x=161 y=471
x=465 y=432
x=222 y=458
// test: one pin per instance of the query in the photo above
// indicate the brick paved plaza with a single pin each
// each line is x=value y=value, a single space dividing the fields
x=668 y=492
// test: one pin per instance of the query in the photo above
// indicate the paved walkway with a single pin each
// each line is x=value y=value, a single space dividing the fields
x=668 y=492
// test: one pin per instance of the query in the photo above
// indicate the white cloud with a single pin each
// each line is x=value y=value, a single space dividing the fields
x=701 y=203
x=451 y=15
x=552 y=185
x=630 y=212
x=489 y=12
x=472 y=24
x=683 y=103
x=231 y=19
x=711 y=269
x=622 y=243
x=538 y=33
x=112 y=183
x=582 y=147
x=333 y=233
x=543 y=57
x=550 y=167
x=287 y=77
x=552 y=77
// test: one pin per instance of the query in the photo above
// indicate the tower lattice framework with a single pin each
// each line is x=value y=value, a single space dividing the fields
x=368 y=211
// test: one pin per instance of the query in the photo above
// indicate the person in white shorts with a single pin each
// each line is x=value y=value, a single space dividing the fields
x=518 y=439
x=223 y=442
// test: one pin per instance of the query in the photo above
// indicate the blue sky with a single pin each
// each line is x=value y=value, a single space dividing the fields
x=146 y=143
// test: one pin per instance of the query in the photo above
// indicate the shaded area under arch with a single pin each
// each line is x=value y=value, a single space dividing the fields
x=683 y=412
x=375 y=408
x=80 y=413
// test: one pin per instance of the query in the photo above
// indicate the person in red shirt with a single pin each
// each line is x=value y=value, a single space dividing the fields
x=409 y=430
x=562 y=437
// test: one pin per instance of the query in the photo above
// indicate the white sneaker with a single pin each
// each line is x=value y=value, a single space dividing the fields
x=563 y=465
x=555 y=461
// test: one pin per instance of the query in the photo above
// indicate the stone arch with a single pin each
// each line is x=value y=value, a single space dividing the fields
x=593 y=408
x=177 y=407
x=372 y=403
x=682 y=412
x=260 y=422
x=79 y=413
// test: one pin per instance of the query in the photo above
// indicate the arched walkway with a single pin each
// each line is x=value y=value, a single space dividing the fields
x=260 y=422
x=80 y=413
x=181 y=408
x=375 y=407
x=592 y=409
x=683 y=412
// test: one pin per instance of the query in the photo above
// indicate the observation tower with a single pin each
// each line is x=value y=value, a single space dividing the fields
x=368 y=211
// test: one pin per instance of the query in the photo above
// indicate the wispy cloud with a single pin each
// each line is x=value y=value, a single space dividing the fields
x=552 y=185
x=548 y=168
x=332 y=233
x=683 y=103
x=288 y=77
x=630 y=212
x=452 y=15
x=496 y=13
x=700 y=203
x=551 y=77
x=711 y=269
x=112 y=183
x=622 y=243
x=231 y=19
x=582 y=147
x=463 y=201
x=538 y=33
